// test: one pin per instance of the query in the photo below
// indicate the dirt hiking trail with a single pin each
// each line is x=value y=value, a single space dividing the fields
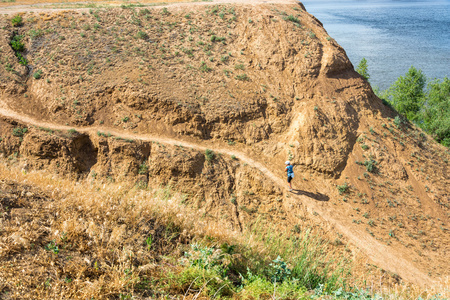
x=382 y=255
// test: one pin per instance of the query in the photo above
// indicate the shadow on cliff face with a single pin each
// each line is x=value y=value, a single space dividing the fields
x=84 y=153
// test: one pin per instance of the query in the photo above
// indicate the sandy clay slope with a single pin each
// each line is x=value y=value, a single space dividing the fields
x=260 y=82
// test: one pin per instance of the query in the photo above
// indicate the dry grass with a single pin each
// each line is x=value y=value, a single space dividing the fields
x=80 y=240
x=88 y=240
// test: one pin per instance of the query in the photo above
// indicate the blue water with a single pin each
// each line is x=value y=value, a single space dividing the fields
x=391 y=34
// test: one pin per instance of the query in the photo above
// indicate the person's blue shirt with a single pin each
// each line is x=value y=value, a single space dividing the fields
x=290 y=170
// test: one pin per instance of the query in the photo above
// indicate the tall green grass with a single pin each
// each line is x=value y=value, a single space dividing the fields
x=265 y=263
x=312 y=260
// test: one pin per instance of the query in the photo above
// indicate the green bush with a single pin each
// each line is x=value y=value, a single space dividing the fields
x=204 y=67
x=22 y=60
x=143 y=169
x=19 y=131
x=398 y=121
x=242 y=77
x=34 y=33
x=144 y=12
x=362 y=69
x=428 y=108
x=279 y=270
x=224 y=58
x=18 y=46
x=142 y=35
x=292 y=19
x=72 y=131
x=37 y=74
x=16 y=21
x=16 y=43
x=165 y=11
x=436 y=113
x=207 y=258
x=217 y=39
x=370 y=165
x=407 y=93
x=211 y=266
x=209 y=155
x=258 y=287
x=343 y=188
x=52 y=247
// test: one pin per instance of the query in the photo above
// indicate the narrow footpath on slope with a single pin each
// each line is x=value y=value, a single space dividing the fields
x=382 y=255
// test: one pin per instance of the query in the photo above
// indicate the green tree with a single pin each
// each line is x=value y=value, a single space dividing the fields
x=436 y=111
x=363 y=69
x=407 y=93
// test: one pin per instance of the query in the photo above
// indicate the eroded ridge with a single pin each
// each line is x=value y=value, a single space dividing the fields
x=155 y=94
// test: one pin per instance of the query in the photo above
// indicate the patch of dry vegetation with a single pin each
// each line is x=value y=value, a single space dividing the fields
x=82 y=240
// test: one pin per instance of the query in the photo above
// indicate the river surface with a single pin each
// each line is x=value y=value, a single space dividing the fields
x=392 y=35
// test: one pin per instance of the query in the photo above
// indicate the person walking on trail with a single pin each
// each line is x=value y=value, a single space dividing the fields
x=290 y=173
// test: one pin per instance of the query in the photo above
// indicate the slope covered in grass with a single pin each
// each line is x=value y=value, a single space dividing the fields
x=84 y=240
